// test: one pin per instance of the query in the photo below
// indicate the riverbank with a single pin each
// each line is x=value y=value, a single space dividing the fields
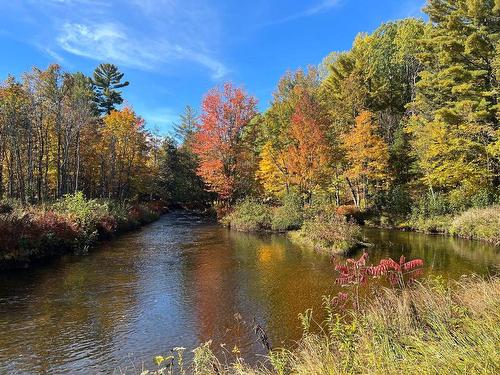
x=434 y=328
x=319 y=227
x=29 y=234
x=482 y=224
x=335 y=229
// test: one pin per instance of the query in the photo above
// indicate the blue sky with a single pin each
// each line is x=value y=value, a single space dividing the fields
x=173 y=51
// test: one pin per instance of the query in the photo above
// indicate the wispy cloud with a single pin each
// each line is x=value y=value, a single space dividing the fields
x=57 y=57
x=113 y=42
x=321 y=7
x=106 y=42
x=143 y=34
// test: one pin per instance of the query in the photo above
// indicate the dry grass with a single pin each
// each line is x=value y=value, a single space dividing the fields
x=431 y=329
x=478 y=223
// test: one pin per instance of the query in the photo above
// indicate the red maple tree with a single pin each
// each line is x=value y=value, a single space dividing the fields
x=225 y=113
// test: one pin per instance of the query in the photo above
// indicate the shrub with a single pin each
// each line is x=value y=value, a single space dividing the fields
x=330 y=232
x=87 y=212
x=288 y=216
x=319 y=208
x=432 y=224
x=51 y=230
x=142 y=214
x=37 y=232
x=478 y=223
x=72 y=223
x=351 y=212
x=6 y=208
x=432 y=205
x=249 y=215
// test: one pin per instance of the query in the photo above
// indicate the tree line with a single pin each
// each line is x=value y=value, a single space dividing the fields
x=61 y=133
x=410 y=111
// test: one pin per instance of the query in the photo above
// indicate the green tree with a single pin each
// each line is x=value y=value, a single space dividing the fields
x=455 y=111
x=107 y=81
x=184 y=131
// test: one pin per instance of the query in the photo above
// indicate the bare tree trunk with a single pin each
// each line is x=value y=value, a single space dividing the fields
x=354 y=192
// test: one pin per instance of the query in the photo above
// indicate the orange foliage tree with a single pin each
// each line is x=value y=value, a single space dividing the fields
x=308 y=153
x=218 y=140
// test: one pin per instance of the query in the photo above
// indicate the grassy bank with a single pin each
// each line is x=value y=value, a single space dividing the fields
x=432 y=328
x=475 y=223
x=319 y=227
x=72 y=224
x=330 y=233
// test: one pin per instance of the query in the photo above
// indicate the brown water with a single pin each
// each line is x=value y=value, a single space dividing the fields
x=180 y=282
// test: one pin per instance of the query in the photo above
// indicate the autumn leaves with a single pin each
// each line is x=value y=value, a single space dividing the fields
x=298 y=156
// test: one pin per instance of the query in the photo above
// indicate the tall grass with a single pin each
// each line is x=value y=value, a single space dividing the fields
x=475 y=223
x=478 y=223
x=432 y=328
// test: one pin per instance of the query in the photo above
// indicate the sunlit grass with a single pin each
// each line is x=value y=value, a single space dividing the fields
x=430 y=329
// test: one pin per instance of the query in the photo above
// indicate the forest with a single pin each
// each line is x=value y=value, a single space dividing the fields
x=400 y=130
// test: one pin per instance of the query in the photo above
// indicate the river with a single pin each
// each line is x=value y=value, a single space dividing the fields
x=179 y=282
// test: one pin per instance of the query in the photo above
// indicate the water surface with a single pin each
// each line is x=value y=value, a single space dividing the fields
x=179 y=282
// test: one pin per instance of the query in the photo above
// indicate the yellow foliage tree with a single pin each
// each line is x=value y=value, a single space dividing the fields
x=272 y=172
x=124 y=153
x=367 y=156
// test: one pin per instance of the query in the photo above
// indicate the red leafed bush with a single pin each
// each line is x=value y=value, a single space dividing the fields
x=50 y=223
x=106 y=225
x=351 y=212
x=36 y=231
x=347 y=210
x=353 y=272
x=356 y=273
x=142 y=214
x=11 y=230
x=397 y=273
x=157 y=207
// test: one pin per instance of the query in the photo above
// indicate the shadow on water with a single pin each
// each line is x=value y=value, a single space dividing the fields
x=182 y=281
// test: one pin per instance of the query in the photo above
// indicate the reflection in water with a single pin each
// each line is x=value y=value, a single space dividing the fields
x=181 y=281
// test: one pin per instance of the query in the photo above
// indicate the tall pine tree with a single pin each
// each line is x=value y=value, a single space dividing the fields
x=107 y=80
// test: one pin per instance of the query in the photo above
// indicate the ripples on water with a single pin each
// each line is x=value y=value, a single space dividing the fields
x=180 y=282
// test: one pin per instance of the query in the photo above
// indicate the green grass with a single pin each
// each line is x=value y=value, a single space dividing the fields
x=475 y=223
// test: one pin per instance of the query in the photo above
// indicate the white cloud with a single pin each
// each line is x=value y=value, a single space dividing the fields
x=57 y=57
x=113 y=42
x=153 y=35
x=104 y=42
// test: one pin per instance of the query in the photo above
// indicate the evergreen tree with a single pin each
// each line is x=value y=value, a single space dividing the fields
x=455 y=109
x=107 y=79
x=184 y=131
